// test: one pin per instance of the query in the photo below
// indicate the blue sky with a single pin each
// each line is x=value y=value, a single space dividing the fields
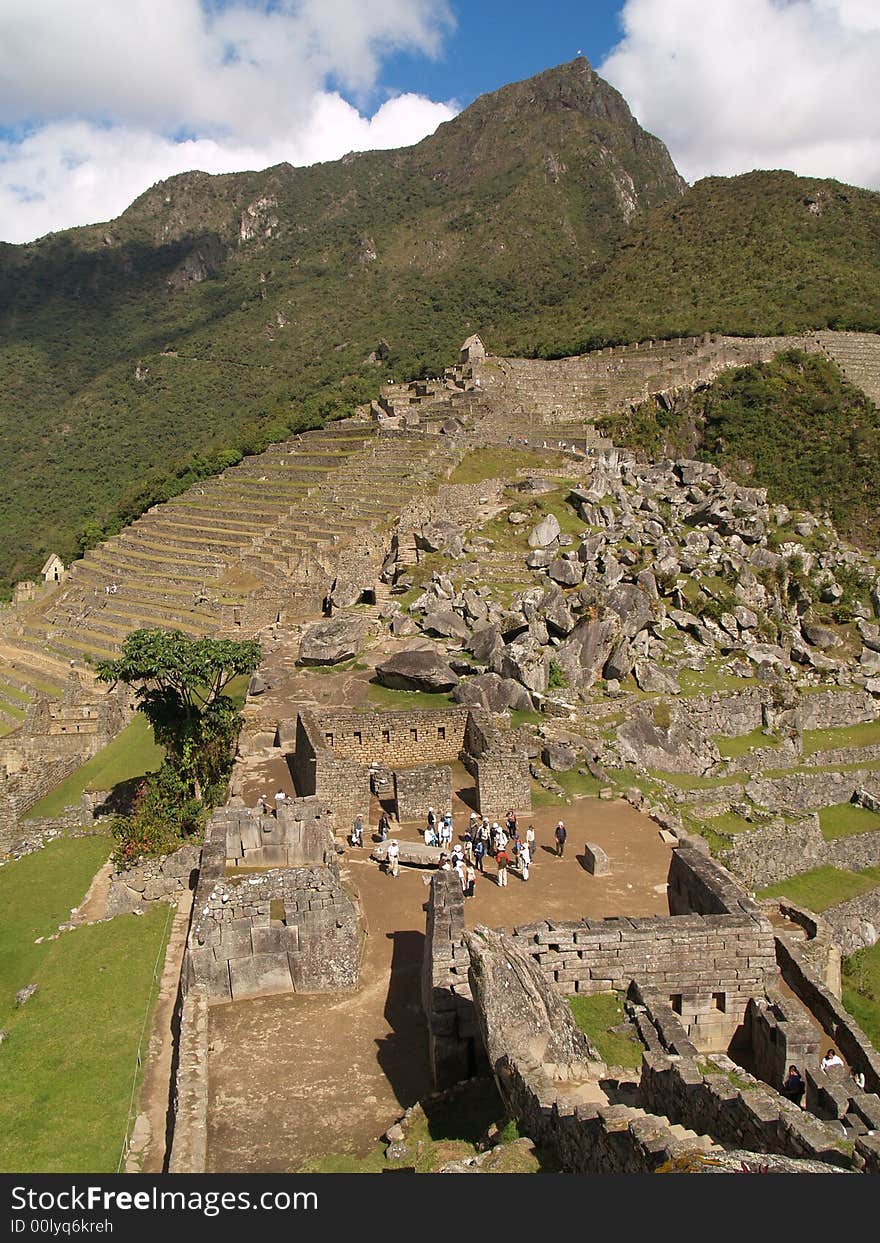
x=99 y=99
x=504 y=41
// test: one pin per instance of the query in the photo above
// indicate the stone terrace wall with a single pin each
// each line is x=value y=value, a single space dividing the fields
x=809 y=792
x=855 y=924
x=154 y=880
x=834 y=709
x=773 y=852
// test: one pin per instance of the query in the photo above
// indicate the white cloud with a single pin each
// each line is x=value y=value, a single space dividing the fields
x=101 y=91
x=734 y=85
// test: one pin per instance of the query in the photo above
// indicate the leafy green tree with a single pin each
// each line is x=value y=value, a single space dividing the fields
x=180 y=689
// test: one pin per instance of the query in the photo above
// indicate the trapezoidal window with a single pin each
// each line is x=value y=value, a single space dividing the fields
x=386 y=735
x=675 y=1002
x=719 y=1002
x=441 y=733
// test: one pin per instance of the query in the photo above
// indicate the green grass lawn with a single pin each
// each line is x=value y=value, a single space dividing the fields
x=576 y=785
x=733 y=748
x=132 y=753
x=595 y=1015
x=865 y=734
x=502 y=464
x=404 y=701
x=694 y=682
x=844 y=819
x=37 y=893
x=69 y=1059
x=861 y=990
x=685 y=781
x=823 y=887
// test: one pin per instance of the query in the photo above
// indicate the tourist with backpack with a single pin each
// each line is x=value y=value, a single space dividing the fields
x=502 y=861
x=561 y=835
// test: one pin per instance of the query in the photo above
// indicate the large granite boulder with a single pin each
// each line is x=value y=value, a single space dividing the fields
x=446 y=623
x=440 y=536
x=651 y=677
x=545 y=533
x=523 y=1016
x=492 y=692
x=329 y=642
x=416 y=669
x=566 y=573
x=485 y=644
x=820 y=636
x=632 y=605
x=677 y=747
x=584 y=653
x=528 y=662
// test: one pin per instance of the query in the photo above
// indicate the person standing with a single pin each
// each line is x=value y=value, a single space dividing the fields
x=280 y=799
x=502 y=861
x=510 y=820
x=525 y=859
x=560 y=835
x=794 y=1087
x=479 y=853
x=530 y=840
x=357 y=832
x=262 y=805
x=393 y=857
x=384 y=827
x=470 y=881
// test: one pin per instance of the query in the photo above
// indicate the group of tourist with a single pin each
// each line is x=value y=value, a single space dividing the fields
x=481 y=839
x=794 y=1086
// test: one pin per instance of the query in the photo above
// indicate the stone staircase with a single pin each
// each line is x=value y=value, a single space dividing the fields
x=857 y=356
x=268 y=529
x=617 y=1104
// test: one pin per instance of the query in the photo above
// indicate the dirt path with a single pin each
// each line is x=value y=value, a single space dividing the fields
x=294 y=1077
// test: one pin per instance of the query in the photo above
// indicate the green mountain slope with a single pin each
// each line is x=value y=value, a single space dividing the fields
x=219 y=312
x=211 y=311
x=760 y=254
x=792 y=426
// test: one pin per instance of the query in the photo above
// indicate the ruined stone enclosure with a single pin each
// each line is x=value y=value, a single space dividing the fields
x=331 y=754
x=289 y=928
x=721 y=1002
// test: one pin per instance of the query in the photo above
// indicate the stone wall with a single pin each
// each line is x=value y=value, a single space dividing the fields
x=855 y=924
x=298 y=836
x=340 y=784
x=333 y=751
x=54 y=740
x=828 y=1010
x=189 y=1145
x=834 y=709
x=392 y=739
x=155 y=880
x=417 y=789
x=706 y=964
x=808 y=792
x=499 y=766
x=749 y=1116
x=454 y=1043
x=778 y=1036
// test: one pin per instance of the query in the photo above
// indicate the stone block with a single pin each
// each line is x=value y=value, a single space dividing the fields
x=596 y=860
x=260 y=975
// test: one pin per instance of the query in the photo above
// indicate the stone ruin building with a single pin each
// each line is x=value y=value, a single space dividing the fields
x=722 y=999
x=333 y=754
